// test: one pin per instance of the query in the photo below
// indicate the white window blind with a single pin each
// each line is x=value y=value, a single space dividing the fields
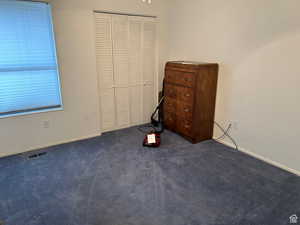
x=29 y=79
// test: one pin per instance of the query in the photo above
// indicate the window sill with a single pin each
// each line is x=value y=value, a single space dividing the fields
x=31 y=112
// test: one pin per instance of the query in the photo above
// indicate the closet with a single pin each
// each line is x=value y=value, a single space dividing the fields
x=126 y=67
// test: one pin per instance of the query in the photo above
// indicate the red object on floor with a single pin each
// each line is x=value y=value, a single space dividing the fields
x=152 y=140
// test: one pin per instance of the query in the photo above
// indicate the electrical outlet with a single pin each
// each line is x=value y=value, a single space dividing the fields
x=46 y=124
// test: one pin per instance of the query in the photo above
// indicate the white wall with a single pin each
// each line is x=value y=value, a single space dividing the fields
x=74 y=29
x=257 y=44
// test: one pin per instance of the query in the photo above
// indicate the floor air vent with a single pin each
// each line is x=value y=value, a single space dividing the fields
x=33 y=156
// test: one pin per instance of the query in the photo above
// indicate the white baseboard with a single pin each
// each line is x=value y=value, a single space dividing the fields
x=269 y=161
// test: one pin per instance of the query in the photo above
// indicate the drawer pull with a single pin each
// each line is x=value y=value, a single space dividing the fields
x=187 y=126
x=187 y=110
x=187 y=95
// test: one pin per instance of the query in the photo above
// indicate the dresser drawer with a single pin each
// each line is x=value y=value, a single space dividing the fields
x=184 y=127
x=170 y=120
x=170 y=76
x=170 y=91
x=182 y=78
x=184 y=111
x=170 y=104
x=186 y=79
x=185 y=95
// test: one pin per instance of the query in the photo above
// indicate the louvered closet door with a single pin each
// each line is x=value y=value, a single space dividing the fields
x=120 y=28
x=126 y=53
x=135 y=70
x=104 y=57
x=149 y=68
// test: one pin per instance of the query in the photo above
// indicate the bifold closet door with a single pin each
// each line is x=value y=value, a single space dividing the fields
x=149 y=68
x=126 y=53
x=104 y=57
x=120 y=33
x=135 y=70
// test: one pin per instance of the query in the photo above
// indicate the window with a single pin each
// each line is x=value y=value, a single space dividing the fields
x=29 y=79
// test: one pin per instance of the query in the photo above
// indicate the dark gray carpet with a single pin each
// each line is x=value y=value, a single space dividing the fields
x=113 y=180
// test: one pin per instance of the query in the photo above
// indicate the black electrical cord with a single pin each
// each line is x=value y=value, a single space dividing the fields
x=226 y=134
x=155 y=123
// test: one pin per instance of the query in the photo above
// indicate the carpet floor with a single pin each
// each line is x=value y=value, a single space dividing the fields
x=113 y=180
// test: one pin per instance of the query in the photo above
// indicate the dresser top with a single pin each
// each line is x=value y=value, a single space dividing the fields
x=194 y=63
x=189 y=66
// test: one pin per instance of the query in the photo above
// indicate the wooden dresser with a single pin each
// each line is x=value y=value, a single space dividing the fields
x=190 y=96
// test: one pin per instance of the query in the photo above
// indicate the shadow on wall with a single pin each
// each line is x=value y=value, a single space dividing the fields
x=265 y=99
